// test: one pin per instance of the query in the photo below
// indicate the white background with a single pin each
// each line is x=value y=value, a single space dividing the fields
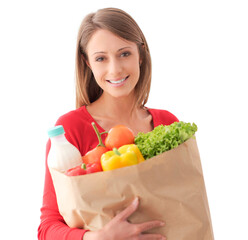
x=200 y=70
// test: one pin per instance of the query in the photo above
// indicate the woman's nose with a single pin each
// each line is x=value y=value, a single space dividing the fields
x=114 y=67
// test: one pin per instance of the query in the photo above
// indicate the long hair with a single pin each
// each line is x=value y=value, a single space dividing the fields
x=123 y=25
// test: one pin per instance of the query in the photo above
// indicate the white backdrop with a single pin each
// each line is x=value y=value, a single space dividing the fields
x=200 y=68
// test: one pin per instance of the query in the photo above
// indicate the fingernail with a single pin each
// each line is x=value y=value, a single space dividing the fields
x=135 y=201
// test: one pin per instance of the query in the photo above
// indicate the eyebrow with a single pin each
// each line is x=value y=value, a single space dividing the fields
x=106 y=52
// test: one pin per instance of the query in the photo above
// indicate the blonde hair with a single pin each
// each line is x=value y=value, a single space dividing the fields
x=122 y=24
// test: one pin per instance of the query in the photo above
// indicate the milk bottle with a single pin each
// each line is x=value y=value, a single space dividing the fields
x=63 y=155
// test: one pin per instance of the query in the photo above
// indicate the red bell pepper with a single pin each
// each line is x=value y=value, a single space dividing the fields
x=84 y=169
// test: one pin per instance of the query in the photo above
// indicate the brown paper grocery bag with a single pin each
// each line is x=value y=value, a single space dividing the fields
x=170 y=187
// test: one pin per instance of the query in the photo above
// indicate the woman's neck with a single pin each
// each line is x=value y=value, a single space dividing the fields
x=120 y=109
x=109 y=112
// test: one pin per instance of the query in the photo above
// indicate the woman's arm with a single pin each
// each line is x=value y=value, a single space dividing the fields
x=119 y=227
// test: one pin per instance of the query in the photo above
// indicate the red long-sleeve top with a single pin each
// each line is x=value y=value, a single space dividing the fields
x=79 y=132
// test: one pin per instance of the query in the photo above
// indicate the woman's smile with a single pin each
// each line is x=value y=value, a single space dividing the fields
x=118 y=82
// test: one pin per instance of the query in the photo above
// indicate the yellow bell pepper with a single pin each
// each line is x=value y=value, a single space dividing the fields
x=134 y=148
x=126 y=155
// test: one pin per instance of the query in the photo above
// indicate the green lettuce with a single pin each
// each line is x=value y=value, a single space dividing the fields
x=164 y=138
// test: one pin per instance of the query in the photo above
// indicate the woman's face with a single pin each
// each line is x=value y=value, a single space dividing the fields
x=115 y=63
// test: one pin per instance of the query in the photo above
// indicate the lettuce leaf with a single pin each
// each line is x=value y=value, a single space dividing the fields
x=164 y=138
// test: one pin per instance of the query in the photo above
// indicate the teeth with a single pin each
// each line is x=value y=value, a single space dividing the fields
x=119 y=81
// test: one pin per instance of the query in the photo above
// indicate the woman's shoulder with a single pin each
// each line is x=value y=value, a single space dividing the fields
x=78 y=128
x=76 y=122
x=161 y=116
x=74 y=117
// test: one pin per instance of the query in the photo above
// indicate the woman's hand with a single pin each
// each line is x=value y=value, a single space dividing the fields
x=120 y=229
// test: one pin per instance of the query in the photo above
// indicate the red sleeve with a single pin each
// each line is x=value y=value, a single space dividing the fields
x=52 y=225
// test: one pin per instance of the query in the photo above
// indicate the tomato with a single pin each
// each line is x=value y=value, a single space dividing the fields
x=118 y=136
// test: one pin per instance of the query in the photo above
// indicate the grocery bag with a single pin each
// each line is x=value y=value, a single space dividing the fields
x=170 y=187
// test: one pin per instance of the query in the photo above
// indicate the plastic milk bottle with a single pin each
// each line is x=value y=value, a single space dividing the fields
x=63 y=155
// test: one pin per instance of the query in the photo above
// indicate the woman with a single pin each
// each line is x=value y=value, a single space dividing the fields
x=113 y=77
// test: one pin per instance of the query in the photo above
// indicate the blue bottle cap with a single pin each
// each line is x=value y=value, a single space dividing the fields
x=55 y=131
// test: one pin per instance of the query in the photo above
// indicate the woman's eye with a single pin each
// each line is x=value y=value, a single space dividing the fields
x=99 y=59
x=125 y=54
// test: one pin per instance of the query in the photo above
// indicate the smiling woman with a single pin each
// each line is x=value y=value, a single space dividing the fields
x=113 y=77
